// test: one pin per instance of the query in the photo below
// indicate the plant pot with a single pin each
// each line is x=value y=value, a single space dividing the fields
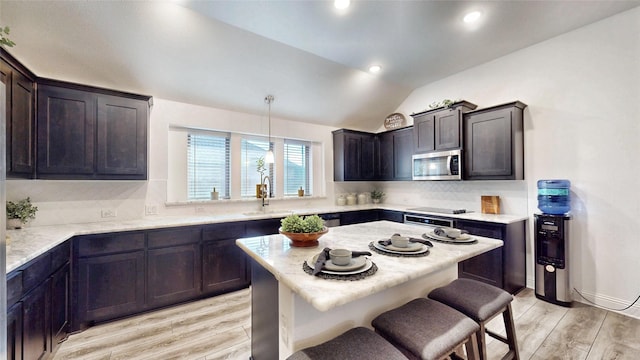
x=376 y=201
x=259 y=190
x=304 y=239
x=14 y=224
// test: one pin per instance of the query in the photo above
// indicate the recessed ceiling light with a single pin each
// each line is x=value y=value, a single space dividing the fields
x=472 y=17
x=341 y=4
x=375 y=68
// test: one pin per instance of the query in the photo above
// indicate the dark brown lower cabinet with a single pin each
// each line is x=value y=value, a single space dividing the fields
x=14 y=332
x=224 y=266
x=110 y=286
x=504 y=267
x=60 y=306
x=35 y=323
x=173 y=274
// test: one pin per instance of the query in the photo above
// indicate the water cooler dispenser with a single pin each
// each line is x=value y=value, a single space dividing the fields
x=552 y=242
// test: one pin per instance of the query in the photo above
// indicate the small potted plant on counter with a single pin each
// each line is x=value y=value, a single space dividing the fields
x=19 y=213
x=303 y=232
x=376 y=196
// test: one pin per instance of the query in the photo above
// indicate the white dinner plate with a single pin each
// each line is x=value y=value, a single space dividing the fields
x=354 y=264
x=411 y=247
x=422 y=249
x=463 y=239
x=368 y=264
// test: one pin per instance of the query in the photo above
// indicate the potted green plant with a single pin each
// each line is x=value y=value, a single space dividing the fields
x=303 y=231
x=4 y=37
x=261 y=168
x=19 y=213
x=376 y=196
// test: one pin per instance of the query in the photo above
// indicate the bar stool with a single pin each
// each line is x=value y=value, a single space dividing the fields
x=481 y=302
x=428 y=330
x=357 y=343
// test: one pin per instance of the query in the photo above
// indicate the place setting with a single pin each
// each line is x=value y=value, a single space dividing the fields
x=340 y=264
x=401 y=246
x=449 y=236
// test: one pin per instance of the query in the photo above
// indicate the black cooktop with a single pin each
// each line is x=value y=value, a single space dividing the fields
x=440 y=210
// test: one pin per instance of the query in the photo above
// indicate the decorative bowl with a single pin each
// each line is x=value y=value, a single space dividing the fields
x=304 y=239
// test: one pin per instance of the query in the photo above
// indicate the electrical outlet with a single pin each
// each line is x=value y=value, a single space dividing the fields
x=108 y=213
x=151 y=210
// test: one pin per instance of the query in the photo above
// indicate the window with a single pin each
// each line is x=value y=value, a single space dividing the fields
x=296 y=167
x=207 y=165
x=252 y=150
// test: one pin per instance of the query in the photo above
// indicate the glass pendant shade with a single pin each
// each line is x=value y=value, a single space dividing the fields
x=268 y=157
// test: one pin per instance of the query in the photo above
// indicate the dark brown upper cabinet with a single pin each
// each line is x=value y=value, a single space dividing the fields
x=440 y=128
x=90 y=133
x=354 y=155
x=494 y=143
x=20 y=119
x=396 y=148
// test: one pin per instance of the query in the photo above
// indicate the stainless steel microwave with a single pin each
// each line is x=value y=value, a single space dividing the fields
x=442 y=165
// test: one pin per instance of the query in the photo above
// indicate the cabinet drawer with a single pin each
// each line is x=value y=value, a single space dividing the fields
x=14 y=287
x=60 y=255
x=481 y=229
x=223 y=231
x=163 y=238
x=108 y=244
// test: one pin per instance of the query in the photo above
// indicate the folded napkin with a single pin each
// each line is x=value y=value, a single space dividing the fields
x=441 y=232
x=388 y=241
x=324 y=256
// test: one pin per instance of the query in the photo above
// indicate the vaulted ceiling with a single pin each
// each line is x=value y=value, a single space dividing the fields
x=312 y=57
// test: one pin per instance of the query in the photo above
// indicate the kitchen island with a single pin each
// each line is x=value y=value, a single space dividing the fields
x=292 y=309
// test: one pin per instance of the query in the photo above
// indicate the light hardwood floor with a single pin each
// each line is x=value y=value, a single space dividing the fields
x=219 y=328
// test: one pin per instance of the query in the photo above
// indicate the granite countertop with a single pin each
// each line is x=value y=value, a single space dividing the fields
x=27 y=243
x=275 y=254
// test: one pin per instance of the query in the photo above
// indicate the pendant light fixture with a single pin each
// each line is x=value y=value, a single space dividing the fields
x=268 y=157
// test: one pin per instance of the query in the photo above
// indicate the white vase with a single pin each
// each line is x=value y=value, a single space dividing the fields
x=14 y=224
x=376 y=201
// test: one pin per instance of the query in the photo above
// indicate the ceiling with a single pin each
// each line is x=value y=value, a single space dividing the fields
x=310 y=56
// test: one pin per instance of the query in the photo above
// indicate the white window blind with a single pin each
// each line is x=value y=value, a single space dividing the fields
x=252 y=150
x=297 y=156
x=208 y=165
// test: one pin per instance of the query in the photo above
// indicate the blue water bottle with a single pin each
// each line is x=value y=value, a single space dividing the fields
x=553 y=196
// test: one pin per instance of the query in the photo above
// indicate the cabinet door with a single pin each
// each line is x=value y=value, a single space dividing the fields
x=174 y=274
x=391 y=215
x=357 y=217
x=488 y=145
x=60 y=306
x=386 y=159
x=424 y=132
x=487 y=267
x=262 y=227
x=66 y=131
x=110 y=286
x=36 y=323
x=14 y=332
x=224 y=266
x=447 y=129
x=20 y=127
x=122 y=136
x=368 y=157
x=402 y=152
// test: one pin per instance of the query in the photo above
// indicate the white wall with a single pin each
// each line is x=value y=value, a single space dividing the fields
x=582 y=123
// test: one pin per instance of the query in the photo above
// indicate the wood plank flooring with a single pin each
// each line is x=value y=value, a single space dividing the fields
x=219 y=328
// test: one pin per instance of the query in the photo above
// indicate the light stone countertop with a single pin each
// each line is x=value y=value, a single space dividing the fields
x=275 y=254
x=28 y=243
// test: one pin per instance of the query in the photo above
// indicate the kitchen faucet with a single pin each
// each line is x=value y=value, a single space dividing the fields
x=264 y=192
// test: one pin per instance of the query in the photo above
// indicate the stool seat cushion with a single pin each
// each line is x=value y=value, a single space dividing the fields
x=355 y=344
x=424 y=327
x=477 y=300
